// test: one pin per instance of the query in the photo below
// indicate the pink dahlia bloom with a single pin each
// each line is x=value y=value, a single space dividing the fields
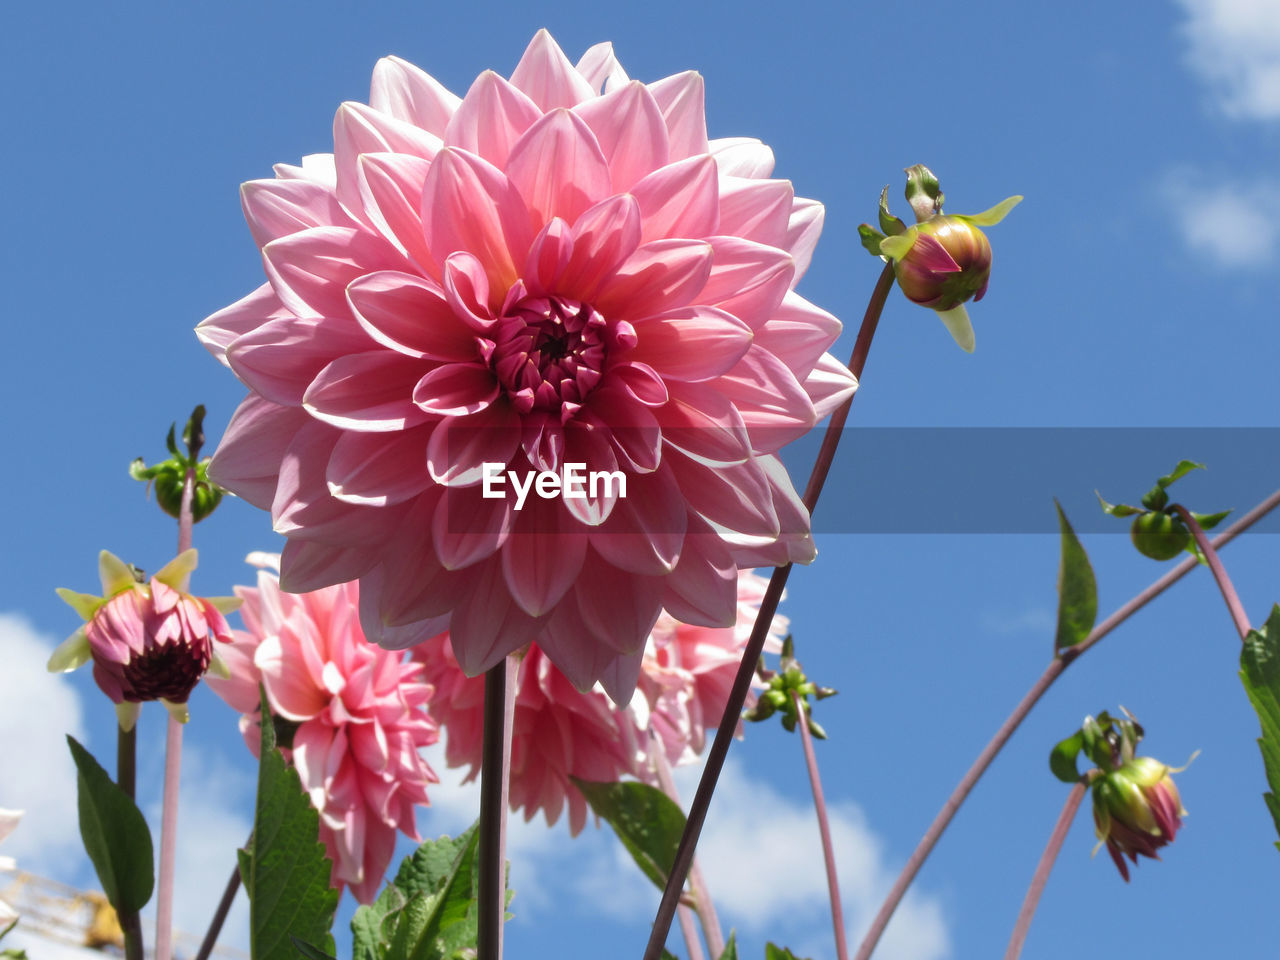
x=559 y=732
x=559 y=268
x=361 y=716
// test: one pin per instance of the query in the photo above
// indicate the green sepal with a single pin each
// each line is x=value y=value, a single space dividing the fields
x=1260 y=674
x=871 y=238
x=139 y=470
x=115 y=834
x=1063 y=758
x=1077 y=589
x=1181 y=470
x=897 y=247
x=116 y=575
x=730 y=951
x=992 y=215
x=774 y=952
x=889 y=224
x=1117 y=509
x=1208 y=521
x=309 y=951
x=1157 y=498
x=85 y=604
x=171 y=443
x=646 y=820
x=193 y=433
x=177 y=571
x=923 y=192
x=956 y=320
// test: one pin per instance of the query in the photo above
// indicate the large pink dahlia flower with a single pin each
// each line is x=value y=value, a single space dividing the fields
x=559 y=268
x=360 y=712
x=559 y=733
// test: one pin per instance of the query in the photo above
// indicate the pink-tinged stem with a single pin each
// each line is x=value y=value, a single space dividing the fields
x=824 y=829
x=495 y=761
x=1234 y=606
x=172 y=773
x=1041 y=876
x=751 y=654
x=1051 y=673
x=689 y=930
x=697 y=883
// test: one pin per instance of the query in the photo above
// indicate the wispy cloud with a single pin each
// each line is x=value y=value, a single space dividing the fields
x=1232 y=224
x=1234 y=45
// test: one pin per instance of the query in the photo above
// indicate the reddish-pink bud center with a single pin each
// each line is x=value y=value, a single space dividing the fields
x=549 y=352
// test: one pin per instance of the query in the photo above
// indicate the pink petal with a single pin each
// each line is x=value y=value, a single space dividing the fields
x=681 y=100
x=316 y=167
x=391 y=196
x=932 y=255
x=829 y=384
x=291 y=691
x=543 y=556
x=742 y=157
x=467 y=527
x=456 y=389
x=793 y=544
x=703 y=422
x=621 y=608
x=307 y=565
x=803 y=230
x=277 y=208
x=680 y=200
x=466 y=287
x=702 y=590
x=491 y=118
x=487 y=623
x=558 y=168
x=406 y=93
x=631 y=132
x=735 y=497
x=691 y=343
x=600 y=68
x=603 y=237
x=548 y=255
x=589 y=445
x=369 y=391
x=747 y=279
x=758 y=210
x=312 y=746
x=633 y=430
x=461 y=445
x=645 y=532
x=620 y=677
x=218 y=331
x=547 y=76
x=468 y=204
x=379 y=469
x=359 y=129
x=774 y=406
x=247 y=461
x=281 y=358
x=660 y=276
x=310 y=270
x=798 y=333
x=412 y=316
x=576 y=649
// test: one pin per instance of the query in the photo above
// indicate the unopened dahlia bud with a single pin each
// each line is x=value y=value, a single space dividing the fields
x=168 y=477
x=148 y=641
x=1158 y=530
x=1137 y=810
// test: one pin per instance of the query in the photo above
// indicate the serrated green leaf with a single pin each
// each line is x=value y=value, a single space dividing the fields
x=410 y=924
x=774 y=952
x=1077 y=589
x=1063 y=757
x=288 y=872
x=115 y=834
x=646 y=820
x=428 y=868
x=1117 y=509
x=730 y=951
x=1260 y=673
x=372 y=926
x=309 y=951
x=1181 y=470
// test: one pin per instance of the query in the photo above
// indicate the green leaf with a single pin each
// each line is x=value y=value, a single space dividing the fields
x=668 y=955
x=1260 y=673
x=871 y=238
x=646 y=820
x=1181 y=470
x=428 y=868
x=1117 y=509
x=1208 y=521
x=373 y=924
x=774 y=952
x=1077 y=589
x=285 y=869
x=115 y=834
x=731 y=947
x=1062 y=759
x=309 y=951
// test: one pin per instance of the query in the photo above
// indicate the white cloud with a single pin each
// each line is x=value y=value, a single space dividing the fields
x=1233 y=224
x=37 y=710
x=1235 y=47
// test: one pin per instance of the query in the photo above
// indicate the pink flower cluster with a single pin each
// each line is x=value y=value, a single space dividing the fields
x=560 y=732
x=559 y=267
x=360 y=711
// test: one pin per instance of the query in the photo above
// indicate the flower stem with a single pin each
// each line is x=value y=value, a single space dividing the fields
x=1234 y=606
x=219 y=915
x=751 y=654
x=126 y=779
x=495 y=763
x=705 y=906
x=824 y=829
x=1051 y=673
x=1041 y=876
x=172 y=772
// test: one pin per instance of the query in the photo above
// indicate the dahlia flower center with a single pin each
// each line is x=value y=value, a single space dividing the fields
x=549 y=352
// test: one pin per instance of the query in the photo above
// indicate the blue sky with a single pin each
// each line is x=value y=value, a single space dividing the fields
x=1133 y=287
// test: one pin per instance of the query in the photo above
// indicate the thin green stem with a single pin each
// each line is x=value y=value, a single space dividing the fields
x=1041 y=876
x=1046 y=680
x=1234 y=606
x=751 y=654
x=824 y=829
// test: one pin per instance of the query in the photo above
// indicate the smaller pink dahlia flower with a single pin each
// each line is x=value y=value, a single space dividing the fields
x=360 y=712
x=560 y=732
x=148 y=641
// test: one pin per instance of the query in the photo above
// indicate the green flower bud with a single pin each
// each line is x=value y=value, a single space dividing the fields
x=1136 y=810
x=1159 y=536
